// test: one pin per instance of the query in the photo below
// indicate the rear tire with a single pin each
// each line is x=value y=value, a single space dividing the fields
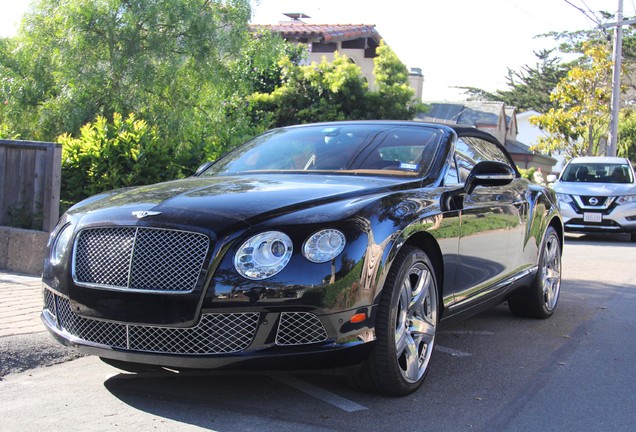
x=406 y=326
x=541 y=298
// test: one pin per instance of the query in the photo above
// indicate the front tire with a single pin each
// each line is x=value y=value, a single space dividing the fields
x=406 y=325
x=541 y=298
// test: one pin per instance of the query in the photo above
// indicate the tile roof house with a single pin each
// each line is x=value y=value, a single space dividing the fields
x=493 y=117
x=357 y=41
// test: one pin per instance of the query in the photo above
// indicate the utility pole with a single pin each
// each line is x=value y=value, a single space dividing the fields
x=612 y=143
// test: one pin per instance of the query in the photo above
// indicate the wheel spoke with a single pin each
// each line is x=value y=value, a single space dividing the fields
x=418 y=289
x=406 y=295
x=421 y=294
x=401 y=341
x=412 y=360
x=550 y=251
x=422 y=328
x=552 y=274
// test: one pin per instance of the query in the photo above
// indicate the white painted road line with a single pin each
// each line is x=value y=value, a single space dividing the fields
x=454 y=353
x=319 y=393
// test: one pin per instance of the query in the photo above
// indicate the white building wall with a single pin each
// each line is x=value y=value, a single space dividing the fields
x=529 y=135
x=355 y=54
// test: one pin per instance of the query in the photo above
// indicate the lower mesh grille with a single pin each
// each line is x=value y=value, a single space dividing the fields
x=214 y=334
x=49 y=302
x=300 y=328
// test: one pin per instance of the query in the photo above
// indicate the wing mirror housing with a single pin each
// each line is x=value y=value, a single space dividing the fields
x=203 y=167
x=551 y=178
x=489 y=173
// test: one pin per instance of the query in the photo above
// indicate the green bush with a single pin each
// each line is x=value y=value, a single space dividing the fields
x=105 y=156
x=528 y=173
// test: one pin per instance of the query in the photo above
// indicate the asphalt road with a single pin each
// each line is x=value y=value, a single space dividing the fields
x=573 y=372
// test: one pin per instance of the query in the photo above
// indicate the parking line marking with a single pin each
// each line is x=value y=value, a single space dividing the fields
x=319 y=393
x=454 y=353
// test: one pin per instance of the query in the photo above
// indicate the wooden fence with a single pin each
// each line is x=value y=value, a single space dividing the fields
x=30 y=178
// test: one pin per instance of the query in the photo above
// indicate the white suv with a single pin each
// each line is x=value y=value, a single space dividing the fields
x=598 y=194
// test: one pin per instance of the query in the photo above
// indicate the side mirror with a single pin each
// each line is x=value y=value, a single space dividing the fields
x=489 y=173
x=203 y=167
x=551 y=178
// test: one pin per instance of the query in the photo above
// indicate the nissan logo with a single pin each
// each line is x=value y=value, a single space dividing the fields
x=593 y=201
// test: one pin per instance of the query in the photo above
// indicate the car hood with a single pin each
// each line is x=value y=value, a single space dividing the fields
x=595 y=189
x=217 y=202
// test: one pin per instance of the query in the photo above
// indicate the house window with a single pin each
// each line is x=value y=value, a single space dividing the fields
x=370 y=53
x=324 y=47
x=360 y=43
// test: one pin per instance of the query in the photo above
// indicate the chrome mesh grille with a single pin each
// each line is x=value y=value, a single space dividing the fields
x=214 y=334
x=144 y=259
x=91 y=330
x=299 y=328
x=49 y=302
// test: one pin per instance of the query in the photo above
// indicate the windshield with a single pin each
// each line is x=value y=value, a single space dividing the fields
x=385 y=149
x=598 y=173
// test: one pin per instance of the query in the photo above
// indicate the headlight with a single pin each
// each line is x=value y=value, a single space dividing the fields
x=564 y=198
x=324 y=245
x=263 y=255
x=625 y=199
x=60 y=244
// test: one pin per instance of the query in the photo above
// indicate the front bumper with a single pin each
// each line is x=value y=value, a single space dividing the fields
x=266 y=339
x=616 y=219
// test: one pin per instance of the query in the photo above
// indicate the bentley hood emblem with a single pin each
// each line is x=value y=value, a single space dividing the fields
x=143 y=213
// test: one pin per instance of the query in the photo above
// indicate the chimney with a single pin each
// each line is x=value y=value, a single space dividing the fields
x=416 y=81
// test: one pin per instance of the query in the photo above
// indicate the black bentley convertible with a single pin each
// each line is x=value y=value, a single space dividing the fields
x=333 y=245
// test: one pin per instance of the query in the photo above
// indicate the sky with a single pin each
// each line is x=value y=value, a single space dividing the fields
x=467 y=43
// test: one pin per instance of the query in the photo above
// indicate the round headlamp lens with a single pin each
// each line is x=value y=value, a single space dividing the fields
x=263 y=255
x=324 y=245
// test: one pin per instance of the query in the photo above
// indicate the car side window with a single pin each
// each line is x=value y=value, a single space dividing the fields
x=465 y=165
x=451 y=177
x=481 y=150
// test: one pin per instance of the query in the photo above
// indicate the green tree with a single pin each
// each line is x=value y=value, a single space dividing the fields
x=172 y=62
x=394 y=98
x=337 y=91
x=627 y=134
x=581 y=114
x=109 y=155
x=316 y=92
x=530 y=87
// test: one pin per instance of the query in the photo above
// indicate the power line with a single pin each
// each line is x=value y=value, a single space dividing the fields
x=593 y=19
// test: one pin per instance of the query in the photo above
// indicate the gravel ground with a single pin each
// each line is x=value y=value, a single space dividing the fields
x=23 y=352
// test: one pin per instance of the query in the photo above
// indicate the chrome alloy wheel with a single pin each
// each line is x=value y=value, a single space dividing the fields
x=551 y=271
x=416 y=322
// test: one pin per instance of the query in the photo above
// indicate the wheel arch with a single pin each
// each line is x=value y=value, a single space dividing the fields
x=557 y=224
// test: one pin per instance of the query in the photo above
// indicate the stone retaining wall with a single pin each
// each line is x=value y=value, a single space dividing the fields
x=22 y=251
